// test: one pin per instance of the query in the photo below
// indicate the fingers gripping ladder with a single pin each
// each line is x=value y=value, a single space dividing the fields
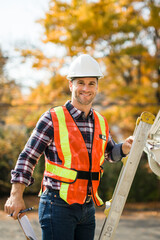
x=143 y=125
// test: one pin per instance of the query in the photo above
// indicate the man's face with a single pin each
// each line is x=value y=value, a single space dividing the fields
x=83 y=90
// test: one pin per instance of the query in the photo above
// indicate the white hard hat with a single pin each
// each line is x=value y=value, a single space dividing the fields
x=84 y=66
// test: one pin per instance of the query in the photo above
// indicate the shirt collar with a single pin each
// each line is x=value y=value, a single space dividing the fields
x=76 y=113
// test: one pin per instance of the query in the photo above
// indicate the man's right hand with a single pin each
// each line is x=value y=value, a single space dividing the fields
x=15 y=202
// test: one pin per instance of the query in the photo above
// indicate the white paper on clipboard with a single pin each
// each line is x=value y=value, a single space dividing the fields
x=27 y=228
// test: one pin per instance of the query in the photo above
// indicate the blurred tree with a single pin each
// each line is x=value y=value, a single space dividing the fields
x=9 y=91
x=12 y=137
x=12 y=141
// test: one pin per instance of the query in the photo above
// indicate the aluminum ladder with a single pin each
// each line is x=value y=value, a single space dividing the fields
x=128 y=171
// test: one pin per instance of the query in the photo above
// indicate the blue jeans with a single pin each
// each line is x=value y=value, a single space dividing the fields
x=61 y=221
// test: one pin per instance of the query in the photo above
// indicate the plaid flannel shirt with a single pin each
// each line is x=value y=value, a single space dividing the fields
x=42 y=141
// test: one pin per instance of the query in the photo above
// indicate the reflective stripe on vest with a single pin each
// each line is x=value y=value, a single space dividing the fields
x=103 y=128
x=60 y=173
x=73 y=153
x=63 y=132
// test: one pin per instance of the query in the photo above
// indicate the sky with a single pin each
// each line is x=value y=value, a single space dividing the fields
x=18 y=28
x=17 y=20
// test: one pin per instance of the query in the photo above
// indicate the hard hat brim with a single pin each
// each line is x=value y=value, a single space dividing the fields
x=71 y=77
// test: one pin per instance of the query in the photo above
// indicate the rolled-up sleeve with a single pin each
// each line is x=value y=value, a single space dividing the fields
x=40 y=138
x=113 y=151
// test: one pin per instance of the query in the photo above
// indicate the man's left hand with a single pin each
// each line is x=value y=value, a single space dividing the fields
x=126 y=146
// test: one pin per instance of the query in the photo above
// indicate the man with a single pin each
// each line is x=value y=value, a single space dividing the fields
x=74 y=139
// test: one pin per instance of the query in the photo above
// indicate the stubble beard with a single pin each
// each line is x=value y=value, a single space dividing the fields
x=82 y=101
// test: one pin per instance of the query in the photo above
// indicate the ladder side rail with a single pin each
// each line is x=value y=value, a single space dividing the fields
x=123 y=167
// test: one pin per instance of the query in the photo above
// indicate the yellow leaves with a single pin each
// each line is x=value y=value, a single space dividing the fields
x=154 y=18
x=5 y=147
x=50 y=93
x=73 y=24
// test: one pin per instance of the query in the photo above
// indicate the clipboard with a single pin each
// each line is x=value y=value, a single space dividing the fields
x=27 y=228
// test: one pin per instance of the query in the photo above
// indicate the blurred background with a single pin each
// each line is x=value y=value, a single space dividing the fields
x=38 y=41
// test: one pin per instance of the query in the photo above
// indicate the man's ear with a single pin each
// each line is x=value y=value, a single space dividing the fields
x=70 y=85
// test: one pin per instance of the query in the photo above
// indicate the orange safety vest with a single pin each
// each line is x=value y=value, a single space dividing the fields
x=76 y=168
